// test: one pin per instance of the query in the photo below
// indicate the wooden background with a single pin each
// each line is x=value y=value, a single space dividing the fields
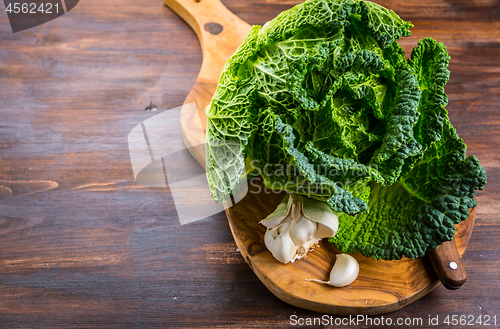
x=81 y=245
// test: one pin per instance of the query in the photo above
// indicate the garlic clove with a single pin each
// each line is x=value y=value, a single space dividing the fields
x=282 y=211
x=327 y=230
x=344 y=271
x=313 y=208
x=303 y=231
x=283 y=226
x=321 y=213
x=280 y=245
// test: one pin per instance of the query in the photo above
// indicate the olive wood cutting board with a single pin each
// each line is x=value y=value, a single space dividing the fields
x=382 y=286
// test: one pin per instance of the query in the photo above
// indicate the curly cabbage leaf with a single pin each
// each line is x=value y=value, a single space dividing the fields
x=322 y=102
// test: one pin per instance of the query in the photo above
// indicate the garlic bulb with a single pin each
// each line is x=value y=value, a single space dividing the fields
x=296 y=227
x=344 y=271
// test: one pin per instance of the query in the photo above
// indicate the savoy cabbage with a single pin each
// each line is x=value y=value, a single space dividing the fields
x=324 y=93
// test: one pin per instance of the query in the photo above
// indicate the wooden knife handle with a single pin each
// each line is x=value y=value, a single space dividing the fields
x=448 y=265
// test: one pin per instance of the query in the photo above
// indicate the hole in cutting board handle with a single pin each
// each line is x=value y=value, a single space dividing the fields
x=213 y=28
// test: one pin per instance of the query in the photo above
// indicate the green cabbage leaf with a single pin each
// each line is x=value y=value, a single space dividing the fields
x=322 y=102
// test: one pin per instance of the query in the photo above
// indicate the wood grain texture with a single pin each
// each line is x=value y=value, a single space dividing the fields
x=98 y=251
x=381 y=286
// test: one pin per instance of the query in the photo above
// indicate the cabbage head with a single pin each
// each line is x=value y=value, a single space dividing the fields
x=322 y=102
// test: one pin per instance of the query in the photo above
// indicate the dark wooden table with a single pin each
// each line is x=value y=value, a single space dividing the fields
x=82 y=245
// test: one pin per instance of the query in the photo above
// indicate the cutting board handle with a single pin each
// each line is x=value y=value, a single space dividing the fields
x=220 y=33
x=214 y=25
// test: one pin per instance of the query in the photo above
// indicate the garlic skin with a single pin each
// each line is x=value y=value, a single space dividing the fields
x=344 y=271
x=296 y=227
